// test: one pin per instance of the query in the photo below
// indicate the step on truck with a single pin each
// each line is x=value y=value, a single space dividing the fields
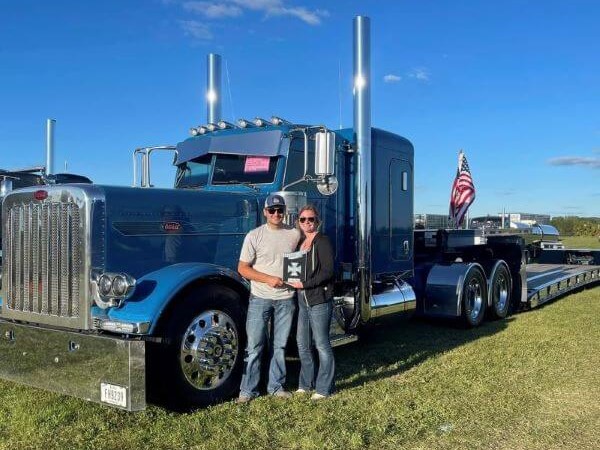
x=124 y=295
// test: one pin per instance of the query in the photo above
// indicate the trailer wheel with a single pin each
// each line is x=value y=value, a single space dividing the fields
x=474 y=297
x=500 y=291
x=201 y=363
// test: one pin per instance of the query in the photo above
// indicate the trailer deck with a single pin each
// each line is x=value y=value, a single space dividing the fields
x=548 y=281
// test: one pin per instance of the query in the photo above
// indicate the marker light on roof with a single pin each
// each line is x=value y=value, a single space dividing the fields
x=223 y=125
x=243 y=123
x=260 y=122
x=279 y=121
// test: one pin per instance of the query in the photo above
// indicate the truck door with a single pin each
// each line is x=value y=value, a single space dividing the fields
x=401 y=210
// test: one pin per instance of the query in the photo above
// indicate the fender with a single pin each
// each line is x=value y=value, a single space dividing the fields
x=155 y=291
x=443 y=292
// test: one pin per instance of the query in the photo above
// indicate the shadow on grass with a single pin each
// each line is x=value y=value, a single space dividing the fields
x=396 y=346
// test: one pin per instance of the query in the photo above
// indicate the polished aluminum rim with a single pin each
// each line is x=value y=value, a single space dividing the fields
x=209 y=349
x=501 y=291
x=474 y=299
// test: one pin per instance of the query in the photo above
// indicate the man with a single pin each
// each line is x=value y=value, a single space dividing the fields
x=261 y=262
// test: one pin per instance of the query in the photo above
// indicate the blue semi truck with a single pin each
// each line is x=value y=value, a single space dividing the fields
x=124 y=295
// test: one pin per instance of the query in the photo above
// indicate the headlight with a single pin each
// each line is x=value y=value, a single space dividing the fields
x=110 y=289
x=105 y=285
x=119 y=285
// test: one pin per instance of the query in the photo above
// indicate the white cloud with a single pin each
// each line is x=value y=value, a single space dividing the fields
x=419 y=73
x=212 y=10
x=591 y=162
x=196 y=29
x=310 y=17
x=391 y=78
x=219 y=9
x=259 y=5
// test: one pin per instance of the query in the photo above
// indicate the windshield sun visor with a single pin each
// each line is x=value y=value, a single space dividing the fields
x=255 y=143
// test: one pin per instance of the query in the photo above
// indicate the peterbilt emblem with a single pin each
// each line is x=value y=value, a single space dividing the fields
x=40 y=195
x=171 y=226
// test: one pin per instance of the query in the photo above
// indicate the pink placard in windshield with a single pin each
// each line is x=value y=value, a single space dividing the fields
x=256 y=164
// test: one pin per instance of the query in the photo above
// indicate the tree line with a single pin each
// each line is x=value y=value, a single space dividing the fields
x=577 y=226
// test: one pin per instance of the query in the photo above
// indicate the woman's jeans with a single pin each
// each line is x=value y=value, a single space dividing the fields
x=315 y=320
x=260 y=311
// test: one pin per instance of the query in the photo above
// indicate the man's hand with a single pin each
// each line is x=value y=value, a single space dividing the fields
x=275 y=282
x=248 y=272
x=296 y=284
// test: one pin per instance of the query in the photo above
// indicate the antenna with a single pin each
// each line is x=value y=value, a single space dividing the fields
x=229 y=90
x=340 y=90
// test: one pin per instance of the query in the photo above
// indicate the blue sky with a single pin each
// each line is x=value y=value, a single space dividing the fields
x=516 y=84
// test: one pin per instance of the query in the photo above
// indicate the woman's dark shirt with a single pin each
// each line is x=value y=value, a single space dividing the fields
x=318 y=287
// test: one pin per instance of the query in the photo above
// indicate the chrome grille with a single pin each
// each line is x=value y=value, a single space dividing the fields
x=43 y=259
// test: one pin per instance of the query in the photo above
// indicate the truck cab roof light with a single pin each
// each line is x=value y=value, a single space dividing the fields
x=222 y=124
x=279 y=121
x=243 y=123
x=259 y=122
x=196 y=131
x=211 y=126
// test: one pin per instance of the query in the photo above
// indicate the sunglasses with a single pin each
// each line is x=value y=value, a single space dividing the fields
x=277 y=210
x=307 y=219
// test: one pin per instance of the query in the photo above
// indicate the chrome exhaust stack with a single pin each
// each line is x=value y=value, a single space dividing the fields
x=393 y=296
x=213 y=88
x=50 y=123
x=362 y=187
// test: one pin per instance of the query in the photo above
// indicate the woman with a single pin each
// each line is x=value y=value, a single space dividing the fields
x=315 y=306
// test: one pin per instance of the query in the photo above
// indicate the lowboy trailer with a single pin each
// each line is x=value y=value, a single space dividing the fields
x=122 y=295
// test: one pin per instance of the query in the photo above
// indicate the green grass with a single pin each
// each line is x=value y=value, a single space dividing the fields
x=581 y=241
x=529 y=382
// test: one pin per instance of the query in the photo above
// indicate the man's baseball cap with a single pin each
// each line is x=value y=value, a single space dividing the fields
x=274 y=200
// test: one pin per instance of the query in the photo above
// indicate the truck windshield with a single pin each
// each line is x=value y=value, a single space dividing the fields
x=228 y=169
x=233 y=169
x=193 y=173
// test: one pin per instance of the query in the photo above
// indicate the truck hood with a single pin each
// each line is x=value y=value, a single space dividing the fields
x=146 y=229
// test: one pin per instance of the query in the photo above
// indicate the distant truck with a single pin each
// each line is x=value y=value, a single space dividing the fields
x=122 y=295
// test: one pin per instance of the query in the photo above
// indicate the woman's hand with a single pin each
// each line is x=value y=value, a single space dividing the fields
x=296 y=284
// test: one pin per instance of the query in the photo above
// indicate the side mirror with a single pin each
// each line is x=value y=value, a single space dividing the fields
x=324 y=153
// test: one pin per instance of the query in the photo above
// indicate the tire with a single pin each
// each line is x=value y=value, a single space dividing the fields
x=500 y=292
x=473 y=297
x=200 y=361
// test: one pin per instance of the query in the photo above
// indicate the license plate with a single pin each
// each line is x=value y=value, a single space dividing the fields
x=113 y=394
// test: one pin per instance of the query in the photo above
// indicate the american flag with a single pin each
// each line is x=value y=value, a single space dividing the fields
x=463 y=191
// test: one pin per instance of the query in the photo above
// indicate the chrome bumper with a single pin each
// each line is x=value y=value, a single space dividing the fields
x=74 y=364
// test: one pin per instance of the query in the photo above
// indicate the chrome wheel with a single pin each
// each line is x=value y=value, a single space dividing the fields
x=209 y=349
x=501 y=292
x=474 y=299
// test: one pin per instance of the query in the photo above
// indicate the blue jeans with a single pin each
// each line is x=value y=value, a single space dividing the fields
x=315 y=321
x=260 y=311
